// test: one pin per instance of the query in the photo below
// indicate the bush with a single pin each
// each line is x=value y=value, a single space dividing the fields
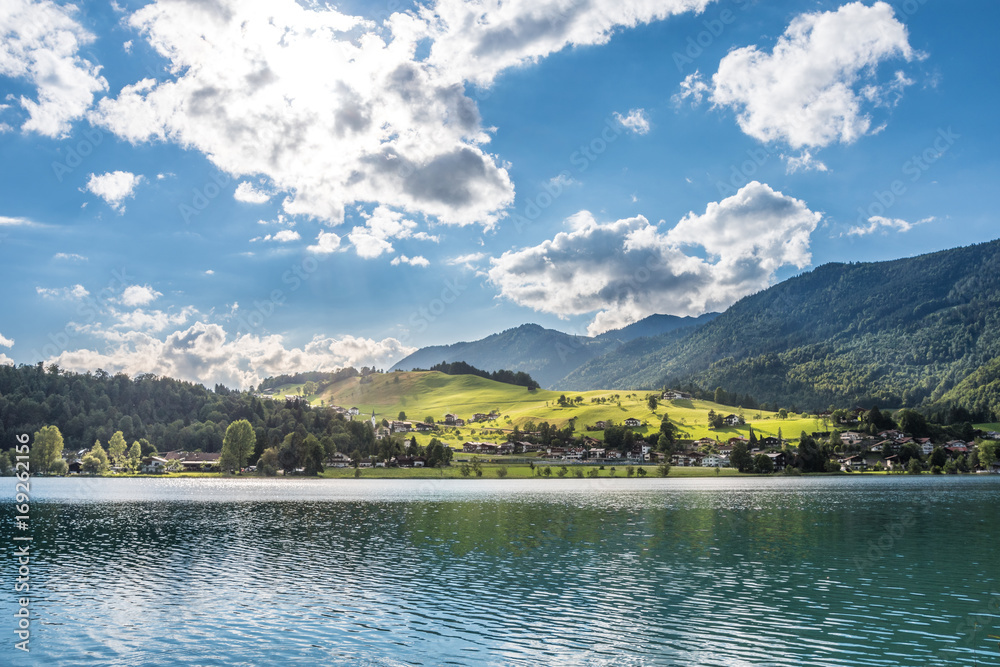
x=357 y=472
x=663 y=469
x=502 y=471
x=562 y=471
x=629 y=471
x=578 y=472
x=641 y=471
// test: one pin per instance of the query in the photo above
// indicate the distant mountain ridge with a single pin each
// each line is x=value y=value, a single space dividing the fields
x=920 y=331
x=546 y=354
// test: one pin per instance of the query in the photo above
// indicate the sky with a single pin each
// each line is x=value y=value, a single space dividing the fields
x=225 y=190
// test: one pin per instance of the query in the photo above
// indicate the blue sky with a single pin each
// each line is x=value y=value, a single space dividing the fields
x=225 y=191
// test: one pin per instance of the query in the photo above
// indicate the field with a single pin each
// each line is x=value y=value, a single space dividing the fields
x=422 y=395
x=517 y=471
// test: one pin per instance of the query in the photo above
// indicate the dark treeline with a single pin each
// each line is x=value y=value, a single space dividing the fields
x=519 y=378
x=162 y=413
x=321 y=378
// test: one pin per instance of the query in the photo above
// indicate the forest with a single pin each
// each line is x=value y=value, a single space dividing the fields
x=165 y=414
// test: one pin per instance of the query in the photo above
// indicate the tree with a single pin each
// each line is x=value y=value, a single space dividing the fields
x=914 y=467
x=46 y=448
x=989 y=451
x=502 y=471
x=237 y=446
x=763 y=465
x=95 y=461
x=740 y=458
x=267 y=464
x=912 y=423
x=651 y=402
x=117 y=450
x=402 y=415
x=134 y=456
x=782 y=414
x=711 y=419
x=312 y=455
x=938 y=457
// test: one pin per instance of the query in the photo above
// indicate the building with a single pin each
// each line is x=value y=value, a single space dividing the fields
x=450 y=419
x=632 y=422
x=769 y=442
x=733 y=420
x=154 y=465
x=715 y=460
x=600 y=425
x=354 y=412
x=674 y=395
x=338 y=460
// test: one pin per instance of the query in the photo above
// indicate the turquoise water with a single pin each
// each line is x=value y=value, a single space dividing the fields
x=727 y=572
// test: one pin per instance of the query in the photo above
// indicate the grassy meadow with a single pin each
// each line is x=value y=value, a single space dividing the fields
x=432 y=394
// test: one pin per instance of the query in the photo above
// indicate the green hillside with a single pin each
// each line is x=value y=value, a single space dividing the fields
x=431 y=394
x=904 y=333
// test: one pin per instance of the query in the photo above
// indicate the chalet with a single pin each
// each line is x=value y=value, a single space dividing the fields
x=459 y=422
x=382 y=432
x=632 y=422
x=612 y=454
x=194 y=461
x=956 y=448
x=401 y=427
x=591 y=442
x=596 y=453
x=883 y=447
x=724 y=451
x=674 y=395
x=338 y=460
x=479 y=417
x=687 y=459
x=450 y=419
x=153 y=465
x=730 y=442
x=481 y=448
x=895 y=436
x=422 y=427
x=893 y=462
x=575 y=453
x=733 y=420
x=851 y=437
x=506 y=448
x=354 y=412
x=600 y=425
x=523 y=447
x=926 y=446
x=555 y=452
x=76 y=465
x=410 y=461
x=779 y=461
x=770 y=442
x=366 y=463
x=715 y=460
x=852 y=463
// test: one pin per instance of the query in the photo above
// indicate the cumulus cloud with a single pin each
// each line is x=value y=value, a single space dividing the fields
x=326 y=243
x=470 y=261
x=139 y=295
x=380 y=228
x=206 y=353
x=247 y=193
x=817 y=84
x=151 y=320
x=114 y=187
x=6 y=342
x=629 y=269
x=878 y=223
x=74 y=292
x=372 y=125
x=414 y=261
x=635 y=122
x=40 y=43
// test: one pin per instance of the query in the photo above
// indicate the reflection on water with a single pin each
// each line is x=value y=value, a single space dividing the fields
x=725 y=572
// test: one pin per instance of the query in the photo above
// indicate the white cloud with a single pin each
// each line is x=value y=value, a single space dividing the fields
x=114 y=187
x=151 y=320
x=40 y=42
x=284 y=236
x=6 y=342
x=812 y=89
x=206 y=353
x=69 y=257
x=139 y=295
x=371 y=125
x=326 y=243
x=209 y=272
x=636 y=121
x=878 y=223
x=127 y=46
x=413 y=261
x=478 y=39
x=629 y=269
x=74 y=292
x=470 y=261
x=247 y=193
x=6 y=221
x=380 y=228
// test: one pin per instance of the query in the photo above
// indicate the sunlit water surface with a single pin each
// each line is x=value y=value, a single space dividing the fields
x=728 y=572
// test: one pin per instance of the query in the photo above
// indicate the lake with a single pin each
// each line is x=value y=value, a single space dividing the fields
x=828 y=571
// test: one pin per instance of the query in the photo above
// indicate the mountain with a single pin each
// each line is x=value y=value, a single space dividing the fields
x=546 y=354
x=906 y=332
